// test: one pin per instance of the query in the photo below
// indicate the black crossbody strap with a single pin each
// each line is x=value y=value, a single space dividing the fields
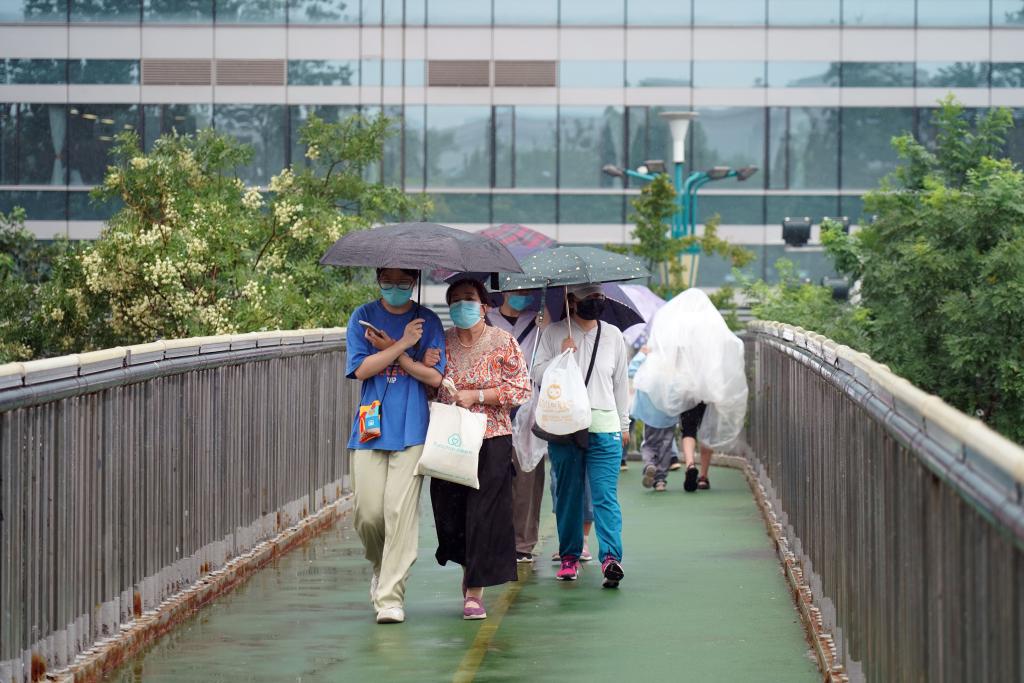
x=593 y=355
x=526 y=333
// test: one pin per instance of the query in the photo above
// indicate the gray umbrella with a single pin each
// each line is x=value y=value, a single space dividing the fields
x=421 y=246
x=572 y=266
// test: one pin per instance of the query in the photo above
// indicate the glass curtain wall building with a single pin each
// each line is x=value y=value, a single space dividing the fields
x=508 y=109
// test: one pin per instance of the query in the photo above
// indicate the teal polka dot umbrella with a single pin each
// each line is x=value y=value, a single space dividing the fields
x=563 y=266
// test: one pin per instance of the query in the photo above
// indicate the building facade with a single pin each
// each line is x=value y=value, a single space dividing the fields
x=508 y=109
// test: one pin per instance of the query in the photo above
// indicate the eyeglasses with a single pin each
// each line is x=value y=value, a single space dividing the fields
x=404 y=285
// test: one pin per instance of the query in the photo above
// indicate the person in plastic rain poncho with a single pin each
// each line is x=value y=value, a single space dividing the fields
x=658 y=448
x=695 y=370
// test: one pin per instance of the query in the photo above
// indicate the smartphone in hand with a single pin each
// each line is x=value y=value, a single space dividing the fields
x=370 y=327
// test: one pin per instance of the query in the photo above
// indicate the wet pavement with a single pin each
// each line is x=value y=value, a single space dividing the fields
x=703 y=599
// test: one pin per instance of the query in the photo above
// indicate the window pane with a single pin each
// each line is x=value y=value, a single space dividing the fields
x=504 y=139
x=583 y=74
x=658 y=13
x=261 y=126
x=458 y=146
x=803 y=12
x=733 y=209
x=729 y=136
x=109 y=71
x=322 y=72
x=8 y=144
x=959 y=13
x=589 y=137
x=814 y=206
x=105 y=10
x=82 y=207
x=526 y=12
x=462 y=208
x=867 y=150
x=1007 y=12
x=524 y=208
x=17 y=11
x=42 y=146
x=593 y=12
x=728 y=74
x=1008 y=75
x=322 y=12
x=536 y=142
x=373 y=12
x=415 y=136
x=250 y=11
x=878 y=74
x=649 y=137
x=1015 y=138
x=952 y=74
x=391 y=159
x=778 y=148
x=371 y=72
x=733 y=13
x=415 y=12
x=803 y=74
x=878 y=12
x=804 y=148
x=415 y=72
x=590 y=208
x=642 y=74
x=449 y=12
x=393 y=11
x=853 y=208
x=32 y=71
x=185 y=119
x=91 y=136
x=39 y=205
x=178 y=11
x=810 y=265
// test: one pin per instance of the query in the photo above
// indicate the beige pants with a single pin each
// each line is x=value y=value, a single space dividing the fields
x=387 y=517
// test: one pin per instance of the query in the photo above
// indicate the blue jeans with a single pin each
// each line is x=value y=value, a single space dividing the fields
x=598 y=465
x=588 y=504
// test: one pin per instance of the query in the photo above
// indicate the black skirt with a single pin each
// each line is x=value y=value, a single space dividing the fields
x=474 y=526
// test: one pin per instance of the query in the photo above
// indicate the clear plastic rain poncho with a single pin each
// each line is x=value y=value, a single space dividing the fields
x=695 y=357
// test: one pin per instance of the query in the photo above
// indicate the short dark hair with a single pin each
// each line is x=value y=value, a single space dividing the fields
x=481 y=291
x=414 y=274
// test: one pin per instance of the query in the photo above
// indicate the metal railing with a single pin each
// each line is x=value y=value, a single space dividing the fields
x=907 y=515
x=128 y=474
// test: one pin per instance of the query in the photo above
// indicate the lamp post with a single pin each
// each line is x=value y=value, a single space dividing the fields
x=678 y=126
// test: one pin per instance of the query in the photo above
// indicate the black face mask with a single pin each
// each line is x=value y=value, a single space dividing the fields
x=590 y=309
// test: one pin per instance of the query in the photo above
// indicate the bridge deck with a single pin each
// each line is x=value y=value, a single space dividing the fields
x=703 y=600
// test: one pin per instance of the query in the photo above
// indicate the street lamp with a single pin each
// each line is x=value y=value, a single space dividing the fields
x=796 y=231
x=843 y=221
x=678 y=125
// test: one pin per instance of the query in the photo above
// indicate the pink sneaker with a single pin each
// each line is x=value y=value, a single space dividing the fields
x=612 y=571
x=570 y=570
x=473 y=609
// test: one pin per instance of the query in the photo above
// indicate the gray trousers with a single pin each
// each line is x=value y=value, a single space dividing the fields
x=657 y=449
x=527 y=497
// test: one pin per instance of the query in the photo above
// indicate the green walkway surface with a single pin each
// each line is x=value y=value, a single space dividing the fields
x=703 y=600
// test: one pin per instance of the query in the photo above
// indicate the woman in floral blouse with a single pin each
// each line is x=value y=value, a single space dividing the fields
x=474 y=527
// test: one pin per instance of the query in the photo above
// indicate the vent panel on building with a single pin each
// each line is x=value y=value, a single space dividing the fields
x=251 y=71
x=176 y=71
x=459 y=73
x=525 y=73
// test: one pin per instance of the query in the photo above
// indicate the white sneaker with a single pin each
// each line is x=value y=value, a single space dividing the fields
x=391 y=615
x=373 y=588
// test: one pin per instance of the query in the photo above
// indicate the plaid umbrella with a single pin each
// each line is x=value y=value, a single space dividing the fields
x=520 y=240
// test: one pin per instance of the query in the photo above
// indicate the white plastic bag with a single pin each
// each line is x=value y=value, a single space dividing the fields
x=563 y=406
x=452 y=448
x=694 y=357
x=529 y=449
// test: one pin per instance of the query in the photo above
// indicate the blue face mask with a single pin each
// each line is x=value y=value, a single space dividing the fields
x=465 y=314
x=396 y=297
x=519 y=302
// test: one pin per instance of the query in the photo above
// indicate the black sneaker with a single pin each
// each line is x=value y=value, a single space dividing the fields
x=612 y=571
x=524 y=558
x=690 y=485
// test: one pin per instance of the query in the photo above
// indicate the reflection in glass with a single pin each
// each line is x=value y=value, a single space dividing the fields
x=733 y=13
x=587 y=74
x=91 y=137
x=462 y=208
x=733 y=209
x=657 y=13
x=414 y=137
x=250 y=11
x=952 y=74
x=803 y=12
x=41 y=131
x=778 y=207
x=1008 y=75
x=18 y=11
x=39 y=205
x=1007 y=12
x=391 y=160
x=644 y=74
x=590 y=208
x=371 y=73
x=456 y=12
x=184 y=119
x=525 y=146
x=177 y=11
x=261 y=126
x=729 y=136
x=649 y=136
x=458 y=146
x=958 y=13
x=804 y=148
x=332 y=113
x=105 y=10
x=878 y=75
x=1015 y=138
x=8 y=144
x=82 y=207
x=525 y=12
x=867 y=152
x=322 y=72
x=322 y=12
x=728 y=74
x=878 y=13
x=373 y=12
x=106 y=71
x=589 y=137
x=593 y=12
x=504 y=141
x=803 y=74
x=31 y=71
x=528 y=209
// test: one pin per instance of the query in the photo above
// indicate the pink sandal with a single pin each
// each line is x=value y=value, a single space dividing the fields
x=473 y=608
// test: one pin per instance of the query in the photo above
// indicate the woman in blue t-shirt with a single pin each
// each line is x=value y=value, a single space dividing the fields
x=396 y=348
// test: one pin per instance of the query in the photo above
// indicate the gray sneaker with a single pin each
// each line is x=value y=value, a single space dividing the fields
x=649 y=472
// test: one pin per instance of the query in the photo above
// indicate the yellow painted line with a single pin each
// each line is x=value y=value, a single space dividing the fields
x=474 y=657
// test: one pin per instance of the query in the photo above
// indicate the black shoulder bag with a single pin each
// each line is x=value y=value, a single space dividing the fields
x=580 y=439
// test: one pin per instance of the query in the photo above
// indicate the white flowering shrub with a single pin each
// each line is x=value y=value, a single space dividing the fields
x=193 y=251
